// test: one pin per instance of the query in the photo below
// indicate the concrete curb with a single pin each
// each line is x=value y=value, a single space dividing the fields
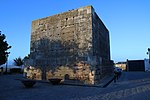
x=104 y=84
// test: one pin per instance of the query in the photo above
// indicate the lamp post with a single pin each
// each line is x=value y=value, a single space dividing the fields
x=6 y=63
x=148 y=53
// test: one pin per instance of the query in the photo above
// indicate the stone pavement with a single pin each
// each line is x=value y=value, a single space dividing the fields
x=130 y=86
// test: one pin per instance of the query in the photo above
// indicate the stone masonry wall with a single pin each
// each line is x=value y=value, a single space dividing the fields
x=62 y=38
x=68 y=45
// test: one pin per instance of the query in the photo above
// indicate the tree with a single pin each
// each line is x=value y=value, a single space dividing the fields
x=3 y=49
x=26 y=60
x=18 y=61
x=27 y=57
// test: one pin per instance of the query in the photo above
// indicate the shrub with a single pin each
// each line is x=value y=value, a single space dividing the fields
x=15 y=70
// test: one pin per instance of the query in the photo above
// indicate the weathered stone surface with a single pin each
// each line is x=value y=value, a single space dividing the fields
x=74 y=43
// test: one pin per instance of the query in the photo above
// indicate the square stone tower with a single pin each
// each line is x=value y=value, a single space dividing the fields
x=71 y=45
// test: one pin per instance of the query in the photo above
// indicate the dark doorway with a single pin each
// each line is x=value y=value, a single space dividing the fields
x=66 y=77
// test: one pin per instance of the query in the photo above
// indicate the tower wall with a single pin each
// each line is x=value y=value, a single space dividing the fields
x=73 y=44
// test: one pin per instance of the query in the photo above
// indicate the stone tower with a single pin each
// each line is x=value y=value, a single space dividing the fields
x=73 y=44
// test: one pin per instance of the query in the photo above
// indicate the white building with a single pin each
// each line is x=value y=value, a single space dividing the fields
x=147 y=64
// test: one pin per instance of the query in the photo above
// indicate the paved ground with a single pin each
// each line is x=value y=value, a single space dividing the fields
x=130 y=86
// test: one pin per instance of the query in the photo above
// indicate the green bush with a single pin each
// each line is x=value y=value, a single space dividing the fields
x=15 y=70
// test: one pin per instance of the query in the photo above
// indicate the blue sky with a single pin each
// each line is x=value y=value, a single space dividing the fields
x=128 y=22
